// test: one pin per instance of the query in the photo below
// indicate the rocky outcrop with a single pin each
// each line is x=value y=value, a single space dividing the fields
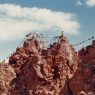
x=83 y=81
x=43 y=71
x=7 y=74
x=55 y=70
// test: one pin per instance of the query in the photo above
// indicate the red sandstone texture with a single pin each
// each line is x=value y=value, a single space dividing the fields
x=83 y=81
x=56 y=70
x=43 y=71
x=7 y=74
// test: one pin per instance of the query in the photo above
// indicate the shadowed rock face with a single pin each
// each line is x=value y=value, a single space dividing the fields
x=56 y=70
x=43 y=71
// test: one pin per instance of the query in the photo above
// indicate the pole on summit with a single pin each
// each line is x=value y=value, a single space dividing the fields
x=62 y=33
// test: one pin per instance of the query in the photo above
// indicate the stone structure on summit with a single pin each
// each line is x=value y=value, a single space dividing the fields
x=55 y=70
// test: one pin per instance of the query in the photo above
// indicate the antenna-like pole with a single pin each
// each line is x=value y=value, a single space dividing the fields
x=62 y=33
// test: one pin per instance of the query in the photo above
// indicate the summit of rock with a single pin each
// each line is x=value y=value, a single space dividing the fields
x=55 y=70
x=43 y=71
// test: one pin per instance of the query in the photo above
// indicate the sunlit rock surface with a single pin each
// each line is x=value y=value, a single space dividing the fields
x=43 y=71
x=83 y=81
x=55 y=70
x=7 y=74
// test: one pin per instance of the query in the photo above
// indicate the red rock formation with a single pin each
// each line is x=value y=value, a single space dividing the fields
x=56 y=70
x=84 y=79
x=43 y=71
x=7 y=74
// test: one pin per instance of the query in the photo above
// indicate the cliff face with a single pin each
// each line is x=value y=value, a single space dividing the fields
x=56 y=70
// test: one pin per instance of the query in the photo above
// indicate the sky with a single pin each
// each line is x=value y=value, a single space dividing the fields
x=49 y=17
